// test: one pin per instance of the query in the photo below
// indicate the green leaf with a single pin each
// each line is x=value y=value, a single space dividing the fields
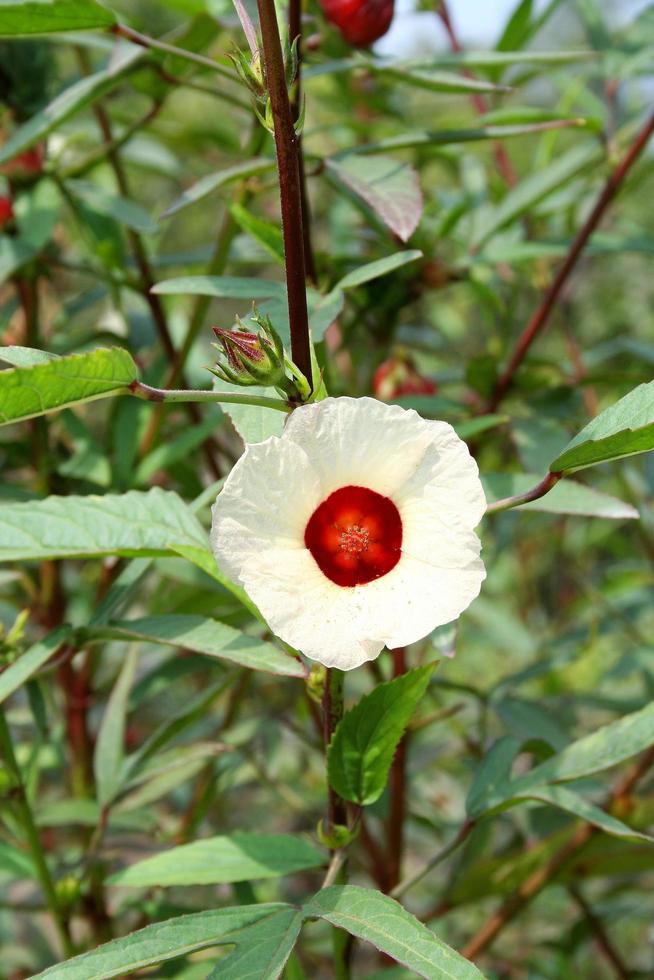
x=566 y=497
x=534 y=188
x=217 y=860
x=124 y=211
x=570 y=802
x=363 y=745
x=470 y=428
x=624 y=429
x=223 y=287
x=390 y=189
x=44 y=16
x=212 y=182
x=15 y=864
x=252 y=422
x=207 y=636
x=262 y=949
x=435 y=80
x=494 y=771
x=268 y=235
x=47 y=386
x=16 y=674
x=602 y=749
x=71 y=100
x=130 y=524
x=382 y=921
x=160 y=942
x=373 y=270
x=110 y=746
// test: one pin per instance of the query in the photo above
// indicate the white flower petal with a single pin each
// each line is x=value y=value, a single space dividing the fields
x=268 y=498
x=360 y=442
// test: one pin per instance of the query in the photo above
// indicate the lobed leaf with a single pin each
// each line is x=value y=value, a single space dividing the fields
x=43 y=386
x=624 y=429
x=365 y=740
x=216 y=860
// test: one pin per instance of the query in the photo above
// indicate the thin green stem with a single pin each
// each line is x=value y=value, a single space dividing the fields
x=19 y=797
x=535 y=493
x=437 y=859
x=149 y=394
x=145 y=41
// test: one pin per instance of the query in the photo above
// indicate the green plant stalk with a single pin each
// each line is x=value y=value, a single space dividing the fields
x=535 y=493
x=332 y=708
x=149 y=394
x=19 y=797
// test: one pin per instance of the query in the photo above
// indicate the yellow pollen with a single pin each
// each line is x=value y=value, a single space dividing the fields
x=355 y=539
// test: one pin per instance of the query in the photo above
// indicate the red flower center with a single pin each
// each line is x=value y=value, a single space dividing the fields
x=355 y=536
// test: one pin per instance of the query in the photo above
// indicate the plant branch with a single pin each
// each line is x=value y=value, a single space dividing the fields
x=150 y=394
x=542 y=877
x=152 y=43
x=597 y=928
x=397 y=793
x=19 y=796
x=295 y=31
x=438 y=858
x=502 y=159
x=542 y=315
x=535 y=493
x=288 y=165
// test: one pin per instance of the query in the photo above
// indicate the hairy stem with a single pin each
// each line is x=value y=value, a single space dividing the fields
x=290 y=189
x=541 y=317
x=19 y=797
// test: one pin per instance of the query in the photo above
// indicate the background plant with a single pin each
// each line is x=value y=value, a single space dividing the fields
x=465 y=255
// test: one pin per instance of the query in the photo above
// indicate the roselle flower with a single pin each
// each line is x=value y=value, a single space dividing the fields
x=398 y=376
x=354 y=529
x=360 y=21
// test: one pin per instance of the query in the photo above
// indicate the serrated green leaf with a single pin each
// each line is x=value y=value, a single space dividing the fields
x=262 y=949
x=391 y=189
x=624 y=429
x=71 y=100
x=381 y=267
x=16 y=674
x=160 y=942
x=44 y=16
x=110 y=746
x=215 y=860
x=130 y=524
x=363 y=745
x=382 y=921
x=566 y=497
x=204 y=635
x=48 y=386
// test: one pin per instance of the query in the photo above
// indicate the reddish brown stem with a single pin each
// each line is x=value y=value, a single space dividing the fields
x=397 y=794
x=502 y=160
x=542 y=315
x=295 y=31
x=332 y=712
x=290 y=189
x=602 y=939
x=540 y=878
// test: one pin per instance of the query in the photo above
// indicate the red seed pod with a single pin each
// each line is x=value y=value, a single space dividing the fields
x=360 y=21
x=6 y=212
x=398 y=376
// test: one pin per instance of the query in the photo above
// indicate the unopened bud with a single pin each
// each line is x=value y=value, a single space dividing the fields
x=250 y=358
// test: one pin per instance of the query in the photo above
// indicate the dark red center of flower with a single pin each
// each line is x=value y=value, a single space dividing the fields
x=355 y=536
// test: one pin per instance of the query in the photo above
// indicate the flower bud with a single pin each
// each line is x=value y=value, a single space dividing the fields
x=250 y=358
x=360 y=21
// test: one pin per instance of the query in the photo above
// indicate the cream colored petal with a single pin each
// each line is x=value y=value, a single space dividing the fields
x=267 y=499
x=306 y=610
x=360 y=442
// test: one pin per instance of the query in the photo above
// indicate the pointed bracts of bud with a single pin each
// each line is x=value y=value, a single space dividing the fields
x=250 y=358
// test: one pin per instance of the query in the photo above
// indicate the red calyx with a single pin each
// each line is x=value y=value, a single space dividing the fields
x=355 y=536
x=360 y=21
x=7 y=215
x=398 y=376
